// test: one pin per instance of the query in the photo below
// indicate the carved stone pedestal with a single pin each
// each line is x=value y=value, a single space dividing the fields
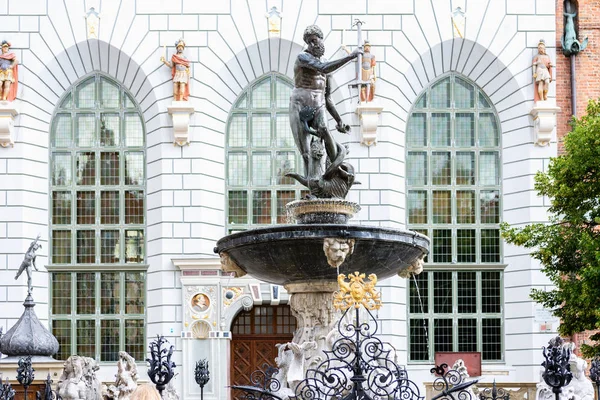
x=181 y=112
x=368 y=114
x=7 y=118
x=544 y=121
x=317 y=319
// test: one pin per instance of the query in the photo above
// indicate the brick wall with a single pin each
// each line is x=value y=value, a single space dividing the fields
x=586 y=65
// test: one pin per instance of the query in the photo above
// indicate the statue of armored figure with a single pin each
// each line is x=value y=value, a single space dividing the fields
x=9 y=73
x=542 y=72
x=180 y=72
x=368 y=76
x=326 y=175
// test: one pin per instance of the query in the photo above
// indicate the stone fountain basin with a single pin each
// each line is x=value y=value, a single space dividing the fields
x=294 y=253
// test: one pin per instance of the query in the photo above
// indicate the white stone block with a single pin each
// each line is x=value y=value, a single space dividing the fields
x=185 y=22
x=369 y=197
x=206 y=7
x=390 y=6
x=536 y=23
x=520 y=6
x=158 y=22
x=30 y=7
x=29 y=23
x=209 y=23
x=3 y=11
x=158 y=7
x=181 y=230
x=182 y=198
x=545 y=7
x=9 y=23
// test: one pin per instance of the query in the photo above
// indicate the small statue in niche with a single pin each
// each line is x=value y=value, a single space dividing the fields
x=570 y=45
x=542 y=72
x=367 y=73
x=29 y=262
x=9 y=73
x=180 y=72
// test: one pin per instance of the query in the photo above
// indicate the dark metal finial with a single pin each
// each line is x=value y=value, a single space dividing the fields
x=557 y=371
x=161 y=367
x=25 y=373
x=202 y=375
x=6 y=391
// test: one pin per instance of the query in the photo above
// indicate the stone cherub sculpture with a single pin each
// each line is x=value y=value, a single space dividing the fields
x=29 y=262
x=126 y=379
x=310 y=99
x=570 y=44
x=9 y=73
x=367 y=72
x=78 y=380
x=180 y=72
x=542 y=72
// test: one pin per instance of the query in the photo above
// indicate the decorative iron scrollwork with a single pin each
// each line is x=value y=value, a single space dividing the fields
x=264 y=385
x=450 y=384
x=494 y=393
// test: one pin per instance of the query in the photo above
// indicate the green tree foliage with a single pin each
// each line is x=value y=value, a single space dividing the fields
x=569 y=246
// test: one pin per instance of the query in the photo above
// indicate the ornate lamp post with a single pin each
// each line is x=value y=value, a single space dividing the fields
x=161 y=367
x=557 y=371
x=202 y=375
x=25 y=373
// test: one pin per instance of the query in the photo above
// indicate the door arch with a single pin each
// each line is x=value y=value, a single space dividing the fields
x=254 y=336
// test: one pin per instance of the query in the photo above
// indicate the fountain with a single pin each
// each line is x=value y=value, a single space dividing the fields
x=307 y=257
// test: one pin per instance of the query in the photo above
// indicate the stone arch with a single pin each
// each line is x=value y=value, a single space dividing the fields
x=244 y=303
x=49 y=75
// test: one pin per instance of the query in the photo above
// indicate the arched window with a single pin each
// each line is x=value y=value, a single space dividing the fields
x=260 y=151
x=97 y=222
x=453 y=196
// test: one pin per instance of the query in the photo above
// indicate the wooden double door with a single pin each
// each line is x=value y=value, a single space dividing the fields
x=254 y=336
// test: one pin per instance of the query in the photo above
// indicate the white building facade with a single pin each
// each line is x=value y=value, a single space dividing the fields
x=129 y=220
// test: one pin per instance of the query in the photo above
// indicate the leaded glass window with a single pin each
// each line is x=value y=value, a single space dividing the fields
x=97 y=215
x=98 y=314
x=455 y=311
x=260 y=151
x=453 y=194
x=453 y=173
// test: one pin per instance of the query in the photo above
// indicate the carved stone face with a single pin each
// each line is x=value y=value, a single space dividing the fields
x=316 y=47
x=337 y=250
